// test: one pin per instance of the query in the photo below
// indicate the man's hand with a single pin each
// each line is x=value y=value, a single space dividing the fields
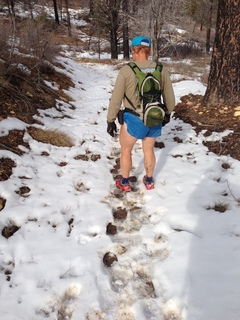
x=111 y=128
x=166 y=119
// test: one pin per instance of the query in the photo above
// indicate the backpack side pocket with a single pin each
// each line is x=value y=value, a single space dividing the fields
x=153 y=115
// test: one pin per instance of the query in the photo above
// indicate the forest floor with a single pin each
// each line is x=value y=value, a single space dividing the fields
x=212 y=119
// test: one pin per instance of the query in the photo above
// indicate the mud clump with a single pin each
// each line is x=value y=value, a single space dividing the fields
x=109 y=258
x=120 y=213
x=9 y=231
x=111 y=229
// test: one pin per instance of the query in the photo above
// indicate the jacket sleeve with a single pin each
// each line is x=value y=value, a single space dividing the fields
x=167 y=91
x=117 y=97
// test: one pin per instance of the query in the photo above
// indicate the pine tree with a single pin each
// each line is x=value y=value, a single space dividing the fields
x=224 y=77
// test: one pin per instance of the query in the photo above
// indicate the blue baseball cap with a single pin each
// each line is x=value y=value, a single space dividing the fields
x=141 y=41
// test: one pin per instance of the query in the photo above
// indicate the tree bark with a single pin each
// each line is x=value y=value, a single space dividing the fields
x=156 y=18
x=11 y=7
x=125 y=29
x=113 y=36
x=114 y=28
x=209 y=26
x=68 y=19
x=56 y=11
x=224 y=77
x=91 y=8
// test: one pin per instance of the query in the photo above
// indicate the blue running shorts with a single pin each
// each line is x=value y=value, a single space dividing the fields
x=137 y=129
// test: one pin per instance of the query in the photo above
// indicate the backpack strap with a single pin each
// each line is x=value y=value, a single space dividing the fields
x=159 y=67
x=130 y=102
x=136 y=69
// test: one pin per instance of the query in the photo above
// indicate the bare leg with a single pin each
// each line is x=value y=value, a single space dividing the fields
x=127 y=142
x=149 y=156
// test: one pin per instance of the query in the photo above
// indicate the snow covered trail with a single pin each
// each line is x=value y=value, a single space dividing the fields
x=137 y=249
x=126 y=290
x=53 y=265
x=172 y=247
x=168 y=244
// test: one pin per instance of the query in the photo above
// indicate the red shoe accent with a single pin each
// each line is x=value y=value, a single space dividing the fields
x=148 y=185
x=124 y=187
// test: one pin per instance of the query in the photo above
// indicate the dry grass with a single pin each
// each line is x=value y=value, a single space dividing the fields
x=194 y=68
x=219 y=206
x=101 y=61
x=54 y=137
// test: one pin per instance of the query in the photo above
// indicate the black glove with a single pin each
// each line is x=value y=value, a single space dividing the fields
x=166 y=119
x=111 y=128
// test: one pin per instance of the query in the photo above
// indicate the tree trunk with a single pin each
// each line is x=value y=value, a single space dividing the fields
x=224 y=77
x=68 y=19
x=91 y=8
x=125 y=29
x=209 y=26
x=11 y=7
x=113 y=33
x=156 y=19
x=31 y=5
x=155 y=40
x=56 y=11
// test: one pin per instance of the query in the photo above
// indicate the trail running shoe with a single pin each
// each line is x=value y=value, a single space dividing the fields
x=148 y=185
x=124 y=187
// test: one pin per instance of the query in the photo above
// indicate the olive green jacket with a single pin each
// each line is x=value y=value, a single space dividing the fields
x=126 y=86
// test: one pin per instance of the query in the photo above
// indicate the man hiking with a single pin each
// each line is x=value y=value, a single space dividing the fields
x=126 y=92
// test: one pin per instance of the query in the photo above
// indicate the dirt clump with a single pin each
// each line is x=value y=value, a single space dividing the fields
x=109 y=258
